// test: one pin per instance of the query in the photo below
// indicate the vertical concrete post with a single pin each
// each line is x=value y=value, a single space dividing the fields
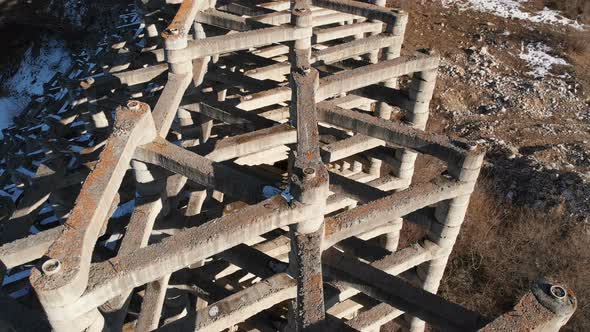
x=146 y=184
x=151 y=307
x=449 y=215
x=148 y=198
x=360 y=35
x=374 y=55
x=305 y=265
x=205 y=122
x=152 y=34
x=397 y=29
x=309 y=181
x=420 y=93
x=197 y=198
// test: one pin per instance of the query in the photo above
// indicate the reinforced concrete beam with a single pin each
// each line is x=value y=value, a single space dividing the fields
x=364 y=218
x=201 y=48
x=116 y=275
x=394 y=133
x=400 y=294
x=200 y=169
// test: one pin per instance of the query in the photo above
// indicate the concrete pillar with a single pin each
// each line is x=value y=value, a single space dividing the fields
x=309 y=181
x=151 y=307
x=206 y=123
x=449 y=215
x=398 y=29
x=374 y=55
x=394 y=51
x=306 y=266
x=420 y=94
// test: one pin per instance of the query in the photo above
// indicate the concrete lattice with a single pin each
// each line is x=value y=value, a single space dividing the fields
x=267 y=194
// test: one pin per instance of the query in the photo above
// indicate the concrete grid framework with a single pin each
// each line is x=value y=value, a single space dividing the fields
x=306 y=91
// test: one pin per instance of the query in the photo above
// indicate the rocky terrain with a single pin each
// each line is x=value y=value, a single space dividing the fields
x=515 y=78
x=521 y=87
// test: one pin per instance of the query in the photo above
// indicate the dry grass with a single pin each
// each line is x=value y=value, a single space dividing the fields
x=574 y=9
x=578 y=42
x=502 y=249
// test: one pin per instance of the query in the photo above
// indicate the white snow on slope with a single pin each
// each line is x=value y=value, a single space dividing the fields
x=538 y=58
x=28 y=80
x=513 y=9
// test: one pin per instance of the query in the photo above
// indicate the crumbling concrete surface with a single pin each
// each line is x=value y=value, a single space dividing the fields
x=231 y=166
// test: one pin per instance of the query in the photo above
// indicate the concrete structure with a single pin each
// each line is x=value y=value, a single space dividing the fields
x=256 y=146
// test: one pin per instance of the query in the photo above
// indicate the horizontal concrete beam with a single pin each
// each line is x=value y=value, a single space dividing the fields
x=116 y=275
x=245 y=304
x=345 y=81
x=28 y=249
x=400 y=294
x=129 y=78
x=348 y=147
x=358 y=191
x=357 y=8
x=200 y=170
x=355 y=48
x=366 y=217
x=253 y=142
x=391 y=132
x=201 y=48
x=332 y=33
x=373 y=318
x=353 y=79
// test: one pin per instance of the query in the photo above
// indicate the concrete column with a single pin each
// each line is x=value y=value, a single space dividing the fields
x=152 y=34
x=146 y=184
x=309 y=181
x=374 y=55
x=391 y=52
x=449 y=215
x=420 y=94
x=305 y=265
x=151 y=307
x=148 y=194
x=205 y=122
x=398 y=29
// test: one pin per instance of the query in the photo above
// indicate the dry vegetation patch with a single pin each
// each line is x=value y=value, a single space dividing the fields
x=502 y=249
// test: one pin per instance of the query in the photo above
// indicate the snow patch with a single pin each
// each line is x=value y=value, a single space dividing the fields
x=513 y=9
x=538 y=58
x=28 y=80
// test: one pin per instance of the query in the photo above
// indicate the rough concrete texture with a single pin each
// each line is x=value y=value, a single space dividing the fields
x=242 y=184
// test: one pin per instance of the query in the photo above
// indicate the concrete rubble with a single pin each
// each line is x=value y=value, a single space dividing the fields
x=235 y=165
